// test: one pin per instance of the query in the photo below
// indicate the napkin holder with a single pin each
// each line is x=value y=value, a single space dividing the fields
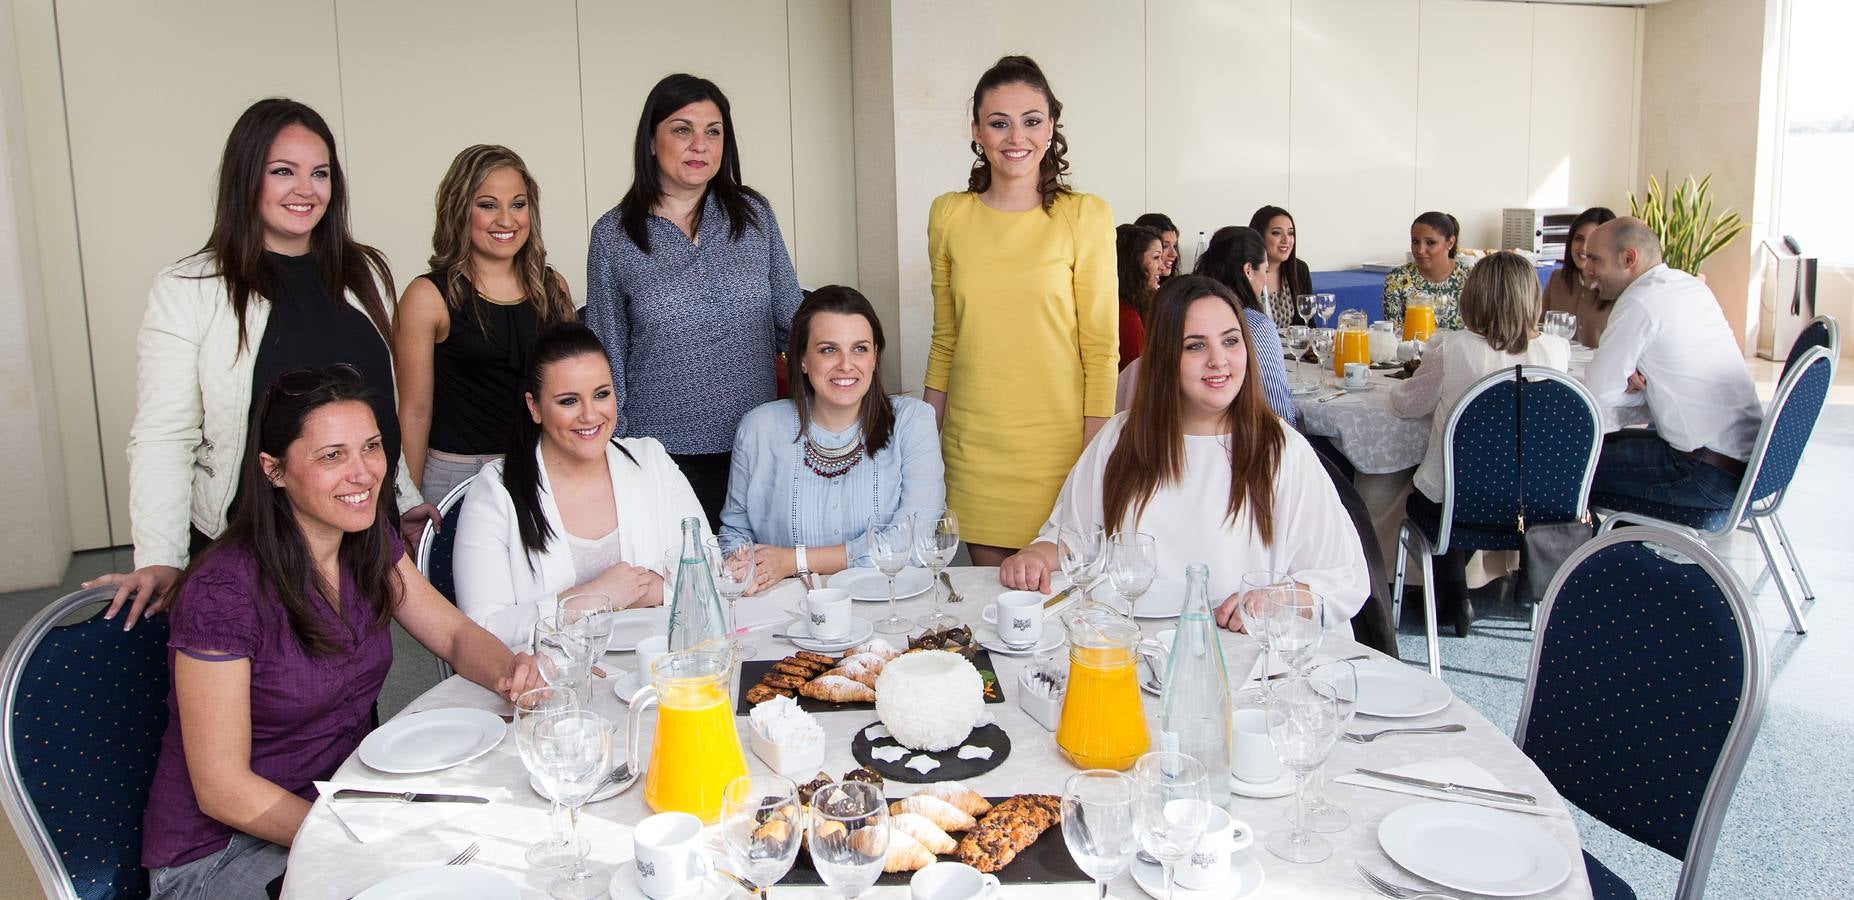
x=1040 y=691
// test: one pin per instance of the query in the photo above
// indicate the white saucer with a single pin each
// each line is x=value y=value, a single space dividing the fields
x=871 y=585
x=605 y=793
x=1243 y=864
x=1280 y=787
x=624 y=684
x=800 y=630
x=623 y=886
x=987 y=637
x=1305 y=390
x=1356 y=390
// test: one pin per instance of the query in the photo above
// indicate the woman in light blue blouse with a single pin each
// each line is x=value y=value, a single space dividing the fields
x=810 y=473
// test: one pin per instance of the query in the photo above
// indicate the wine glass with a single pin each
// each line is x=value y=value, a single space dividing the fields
x=1340 y=677
x=1567 y=326
x=1296 y=339
x=1296 y=625
x=1305 y=305
x=1325 y=304
x=1132 y=561
x=936 y=540
x=1323 y=339
x=564 y=648
x=593 y=613
x=891 y=546
x=1078 y=550
x=1258 y=589
x=1097 y=824
x=761 y=825
x=531 y=706
x=1171 y=807
x=849 y=835
x=1303 y=722
x=730 y=557
x=572 y=751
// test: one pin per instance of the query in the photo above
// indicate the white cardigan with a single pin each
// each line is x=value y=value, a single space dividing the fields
x=496 y=585
x=192 y=406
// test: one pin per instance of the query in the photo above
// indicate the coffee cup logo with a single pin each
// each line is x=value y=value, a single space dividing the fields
x=1203 y=860
x=817 y=618
x=1020 y=624
x=646 y=869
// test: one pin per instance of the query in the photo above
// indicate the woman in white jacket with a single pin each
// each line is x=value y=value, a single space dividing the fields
x=280 y=286
x=569 y=510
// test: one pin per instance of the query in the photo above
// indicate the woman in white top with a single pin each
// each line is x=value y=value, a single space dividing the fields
x=1200 y=463
x=1500 y=308
x=570 y=510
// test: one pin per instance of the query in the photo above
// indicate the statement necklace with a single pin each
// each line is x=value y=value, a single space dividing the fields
x=830 y=462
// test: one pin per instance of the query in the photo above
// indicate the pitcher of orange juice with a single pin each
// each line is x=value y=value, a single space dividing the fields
x=696 y=749
x=1353 y=342
x=1103 y=723
x=1419 y=317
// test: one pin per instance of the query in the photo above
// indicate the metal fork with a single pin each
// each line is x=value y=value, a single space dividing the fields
x=1393 y=890
x=469 y=853
x=1369 y=736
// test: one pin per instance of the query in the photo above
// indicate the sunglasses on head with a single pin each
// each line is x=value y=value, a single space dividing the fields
x=298 y=382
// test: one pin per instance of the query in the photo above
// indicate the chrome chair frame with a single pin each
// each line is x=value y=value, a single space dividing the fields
x=422 y=559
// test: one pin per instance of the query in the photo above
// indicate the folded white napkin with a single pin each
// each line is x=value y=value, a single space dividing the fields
x=752 y=615
x=371 y=820
x=1454 y=770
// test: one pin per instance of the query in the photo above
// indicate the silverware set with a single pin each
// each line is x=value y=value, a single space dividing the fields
x=1369 y=736
x=469 y=853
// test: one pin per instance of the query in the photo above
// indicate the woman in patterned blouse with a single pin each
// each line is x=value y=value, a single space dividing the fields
x=1432 y=271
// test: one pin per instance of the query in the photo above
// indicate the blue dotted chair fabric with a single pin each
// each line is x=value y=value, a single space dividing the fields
x=1604 y=884
x=1427 y=517
x=1698 y=519
x=1814 y=334
x=1641 y=669
x=438 y=561
x=1559 y=430
x=88 y=716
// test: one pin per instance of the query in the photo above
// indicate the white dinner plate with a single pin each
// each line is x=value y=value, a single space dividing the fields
x=1159 y=605
x=987 y=637
x=872 y=585
x=432 y=740
x=800 y=630
x=1244 y=867
x=1474 y=848
x=1282 y=786
x=632 y=625
x=444 y=883
x=1389 y=689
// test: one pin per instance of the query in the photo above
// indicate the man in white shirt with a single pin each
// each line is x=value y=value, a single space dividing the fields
x=1667 y=345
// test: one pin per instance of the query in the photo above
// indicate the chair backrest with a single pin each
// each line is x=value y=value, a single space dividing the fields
x=85 y=709
x=1374 y=625
x=1646 y=690
x=1563 y=434
x=434 y=549
x=1788 y=423
x=1822 y=331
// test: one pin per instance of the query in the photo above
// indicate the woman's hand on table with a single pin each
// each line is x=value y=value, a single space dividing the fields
x=522 y=676
x=629 y=586
x=772 y=565
x=1025 y=570
x=1229 y=612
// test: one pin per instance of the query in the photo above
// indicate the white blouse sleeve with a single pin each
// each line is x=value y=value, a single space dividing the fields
x=1316 y=543
x=505 y=602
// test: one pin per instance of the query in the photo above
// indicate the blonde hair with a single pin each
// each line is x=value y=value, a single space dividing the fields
x=450 y=236
x=1501 y=302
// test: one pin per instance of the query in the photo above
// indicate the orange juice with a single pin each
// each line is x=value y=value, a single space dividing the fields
x=1103 y=722
x=696 y=751
x=1351 y=346
x=1419 y=322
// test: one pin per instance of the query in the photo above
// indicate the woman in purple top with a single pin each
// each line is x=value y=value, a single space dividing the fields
x=279 y=642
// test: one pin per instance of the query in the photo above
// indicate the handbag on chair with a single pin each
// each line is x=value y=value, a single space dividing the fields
x=1545 y=547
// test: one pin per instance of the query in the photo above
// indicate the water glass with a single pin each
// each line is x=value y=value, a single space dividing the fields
x=1296 y=338
x=1258 y=589
x=564 y=647
x=891 y=546
x=531 y=707
x=1296 y=625
x=573 y=751
x=1325 y=304
x=1303 y=723
x=730 y=557
x=1171 y=807
x=1341 y=678
x=1097 y=823
x=762 y=825
x=849 y=835
x=1078 y=551
x=936 y=540
x=1132 y=561
x=1306 y=305
x=1323 y=339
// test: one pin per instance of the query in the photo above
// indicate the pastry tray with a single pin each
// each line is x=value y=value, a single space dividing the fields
x=1045 y=862
x=753 y=670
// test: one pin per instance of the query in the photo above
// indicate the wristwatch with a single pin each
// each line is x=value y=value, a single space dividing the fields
x=804 y=570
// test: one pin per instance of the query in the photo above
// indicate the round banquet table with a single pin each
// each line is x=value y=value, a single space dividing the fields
x=326 y=863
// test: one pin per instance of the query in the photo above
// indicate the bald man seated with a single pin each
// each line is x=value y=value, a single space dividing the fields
x=1667 y=346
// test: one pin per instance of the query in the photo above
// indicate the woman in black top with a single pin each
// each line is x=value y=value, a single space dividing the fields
x=465 y=328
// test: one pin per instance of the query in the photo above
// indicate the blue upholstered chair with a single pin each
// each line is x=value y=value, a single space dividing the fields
x=86 y=705
x=434 y=551
x=1480 y=501
x=1646 y=690
x=1822 y=331
x=1788 y=422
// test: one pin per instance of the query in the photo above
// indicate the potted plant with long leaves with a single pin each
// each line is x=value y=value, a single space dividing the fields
x=1684 y=222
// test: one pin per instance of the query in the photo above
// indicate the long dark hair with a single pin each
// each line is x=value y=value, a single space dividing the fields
x=737 y=200
x=521 y=469
x=1053 y=171
x=1290 y=267
x=1445 y=225
x=1130 y=243
x=876 y=416
x=236 y=244
x=264 y=523
x=1151 y=451
x=1158 y=222
x=1223 y=259
x=1595 y=215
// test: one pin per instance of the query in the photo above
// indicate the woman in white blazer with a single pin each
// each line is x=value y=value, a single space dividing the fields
x=570 y=510
x=280 y=286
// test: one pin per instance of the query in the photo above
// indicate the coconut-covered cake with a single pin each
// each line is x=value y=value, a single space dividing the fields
x=930 y=699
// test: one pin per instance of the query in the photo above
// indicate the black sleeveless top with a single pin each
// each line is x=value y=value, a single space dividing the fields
x=476 y=373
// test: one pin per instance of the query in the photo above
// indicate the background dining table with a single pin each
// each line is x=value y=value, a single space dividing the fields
x=327 y=863
x=1363 y=289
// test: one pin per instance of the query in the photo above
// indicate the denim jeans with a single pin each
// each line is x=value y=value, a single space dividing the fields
x=1637 y=463
x=239 y=872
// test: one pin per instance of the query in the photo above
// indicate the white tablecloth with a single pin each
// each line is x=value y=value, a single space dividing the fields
x=327 y=864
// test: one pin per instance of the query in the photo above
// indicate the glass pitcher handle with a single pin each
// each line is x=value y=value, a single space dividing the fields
x=644 y=698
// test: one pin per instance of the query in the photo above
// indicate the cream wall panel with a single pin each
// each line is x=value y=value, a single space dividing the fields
x=823 y=225
x=419 y=87
x=1472 y=113
x=1585 y=63
x=1217 y=102
x=1353 y=128
x=878 y=241
x=152 y=90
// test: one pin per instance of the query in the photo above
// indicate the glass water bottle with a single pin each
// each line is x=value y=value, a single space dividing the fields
x=1196 y=704
x=696 y=617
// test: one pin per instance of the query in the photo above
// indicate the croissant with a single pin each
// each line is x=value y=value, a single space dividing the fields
x=923 y=829
x=967 y=799
x=905 y=854
x=837 y=689
x=948 y=817
x=857 y=672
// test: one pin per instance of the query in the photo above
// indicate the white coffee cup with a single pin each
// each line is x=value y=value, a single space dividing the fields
x=649 y=650
x=952 y=881
x=1252 y=755
x=669 y=854
x=1357 y=375
x=1019 y=618
x=1207 y=866
x=826 y=613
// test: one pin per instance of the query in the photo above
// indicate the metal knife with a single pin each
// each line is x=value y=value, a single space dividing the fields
x=1332 y=396
x=406 y=796
x=1452 y=788
x=1065 y=592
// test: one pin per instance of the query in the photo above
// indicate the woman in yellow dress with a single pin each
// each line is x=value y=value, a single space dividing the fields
x=1025 y=329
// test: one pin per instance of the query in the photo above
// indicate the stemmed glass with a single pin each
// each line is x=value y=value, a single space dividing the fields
x=1132 y=561
x=1078 y=549
x=1303 y=723
x=1325 y=304
x=1097 y=824
x=730 y=557
x=1323 y=350
x=1172 y=807
x=1296 y=339
x=891 y=545
x=593 y=614
x=1341 y=678
x=571 y=751
x=530 y=707
x=1258 y=592
x=564 y=646
x=936 y=540
x=1305 y=305
x=849 y=835
x=757 y=824
x=1296 y=625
